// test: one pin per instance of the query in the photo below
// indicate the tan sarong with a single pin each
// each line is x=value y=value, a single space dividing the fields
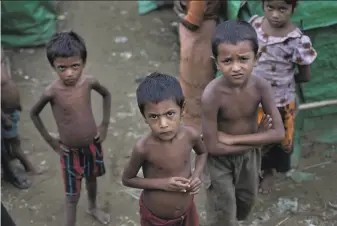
x=196 y=68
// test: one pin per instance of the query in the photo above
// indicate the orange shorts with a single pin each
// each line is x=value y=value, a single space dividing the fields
x=288 y=114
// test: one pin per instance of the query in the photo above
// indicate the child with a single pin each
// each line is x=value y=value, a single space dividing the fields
x=282 y=47
x=230 y=104
x=164 y=156
x=79 y=143
x=10 y=116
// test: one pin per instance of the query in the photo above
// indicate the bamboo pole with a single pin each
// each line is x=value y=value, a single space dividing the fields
x=317 y=104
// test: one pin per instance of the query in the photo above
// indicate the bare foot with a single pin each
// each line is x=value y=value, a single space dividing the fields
x=37 y=171
x=266 y=183
x=99 y=215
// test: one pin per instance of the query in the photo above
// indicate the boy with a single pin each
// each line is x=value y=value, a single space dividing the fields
x=230 y=104
x=10 y=116
x=79 y=143
x=164 y=156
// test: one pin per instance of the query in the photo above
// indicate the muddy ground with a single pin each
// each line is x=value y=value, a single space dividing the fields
x=118 y=62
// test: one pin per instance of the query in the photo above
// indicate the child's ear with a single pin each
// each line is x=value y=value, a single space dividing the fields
x=183 y=109
x=256 y=58
x=214 y=60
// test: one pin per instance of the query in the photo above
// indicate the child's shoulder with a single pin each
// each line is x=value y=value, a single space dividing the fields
x=190 y=131
x=212 y=87
x=259 y=83
x=142 y=143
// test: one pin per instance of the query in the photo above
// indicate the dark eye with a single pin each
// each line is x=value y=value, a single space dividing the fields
x=228 y=60
x=171 y=113
x=269 y=8
x=60 y=68
x=282 y=9
x=75 y=66
x=244 y=58
x=153 y=116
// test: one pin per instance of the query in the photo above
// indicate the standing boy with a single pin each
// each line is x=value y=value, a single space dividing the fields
x=165 y=156
x=79 y=145
x=230 y=105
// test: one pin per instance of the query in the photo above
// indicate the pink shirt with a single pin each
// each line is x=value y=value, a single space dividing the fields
x=278 y=57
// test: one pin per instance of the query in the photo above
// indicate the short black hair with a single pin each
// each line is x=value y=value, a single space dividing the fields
x=232 y=32
x=293 y=3
x=66 y=44
x=158 y=87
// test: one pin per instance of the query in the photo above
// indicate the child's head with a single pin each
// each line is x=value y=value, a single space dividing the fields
x=161 y=101
x=279 y=12
x=67 y=54
x=235 y=47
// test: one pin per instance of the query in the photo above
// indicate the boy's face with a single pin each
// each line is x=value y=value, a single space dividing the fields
x=163 y=118
x=236 y=62
x=69 y=69
x=278 y=13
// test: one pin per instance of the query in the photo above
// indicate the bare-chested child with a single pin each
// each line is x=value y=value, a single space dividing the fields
x=165 y=156
x=230 y=129
x=10 y=116
x=79 y=142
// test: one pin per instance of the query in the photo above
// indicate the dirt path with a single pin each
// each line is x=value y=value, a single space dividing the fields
x=150 y=45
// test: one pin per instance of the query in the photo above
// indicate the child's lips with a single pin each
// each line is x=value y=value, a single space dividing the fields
x=237 y=76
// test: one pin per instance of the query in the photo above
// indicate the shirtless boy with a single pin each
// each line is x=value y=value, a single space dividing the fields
x=10 y=116
x=230 y=105
x=79 y=142
x=165 y=156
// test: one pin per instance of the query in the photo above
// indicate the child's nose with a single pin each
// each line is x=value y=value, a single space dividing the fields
x=163 y=122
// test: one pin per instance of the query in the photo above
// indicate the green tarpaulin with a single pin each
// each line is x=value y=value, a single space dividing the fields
x=27 y=23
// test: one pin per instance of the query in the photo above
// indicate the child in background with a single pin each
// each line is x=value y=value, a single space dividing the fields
x=165 y=156
x=282 y=47
x=10 y=117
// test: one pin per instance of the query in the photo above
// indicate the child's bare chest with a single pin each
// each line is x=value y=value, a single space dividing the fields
x=236 y=106
x=68 y=101
x=170 y=159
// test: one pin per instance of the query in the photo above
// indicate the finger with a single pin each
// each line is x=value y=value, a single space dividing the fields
x=181 y=179
x=181 y=185
x=195 y=183
x=97 y=135
x=195 y=192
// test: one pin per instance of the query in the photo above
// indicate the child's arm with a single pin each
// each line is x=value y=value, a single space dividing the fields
x=209 y=104
x=195 y=15
x=106 y=107
x=276 y=132
x=5 y=120
x=304 y=56
x=130 y=178
x=34 y=114
x=200 y=149
x=304 y=74
x=200 y=161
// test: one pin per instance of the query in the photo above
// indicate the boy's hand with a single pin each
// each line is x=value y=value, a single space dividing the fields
x=226 y=139
x=265 y=124
x=56 y=144
x=195 y=185
x=102 y=132
x=178 y=184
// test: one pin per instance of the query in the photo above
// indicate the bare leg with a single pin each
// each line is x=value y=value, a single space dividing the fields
x=15 y=145
x=267 y=182
x=71 y=207
x=97 y=213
